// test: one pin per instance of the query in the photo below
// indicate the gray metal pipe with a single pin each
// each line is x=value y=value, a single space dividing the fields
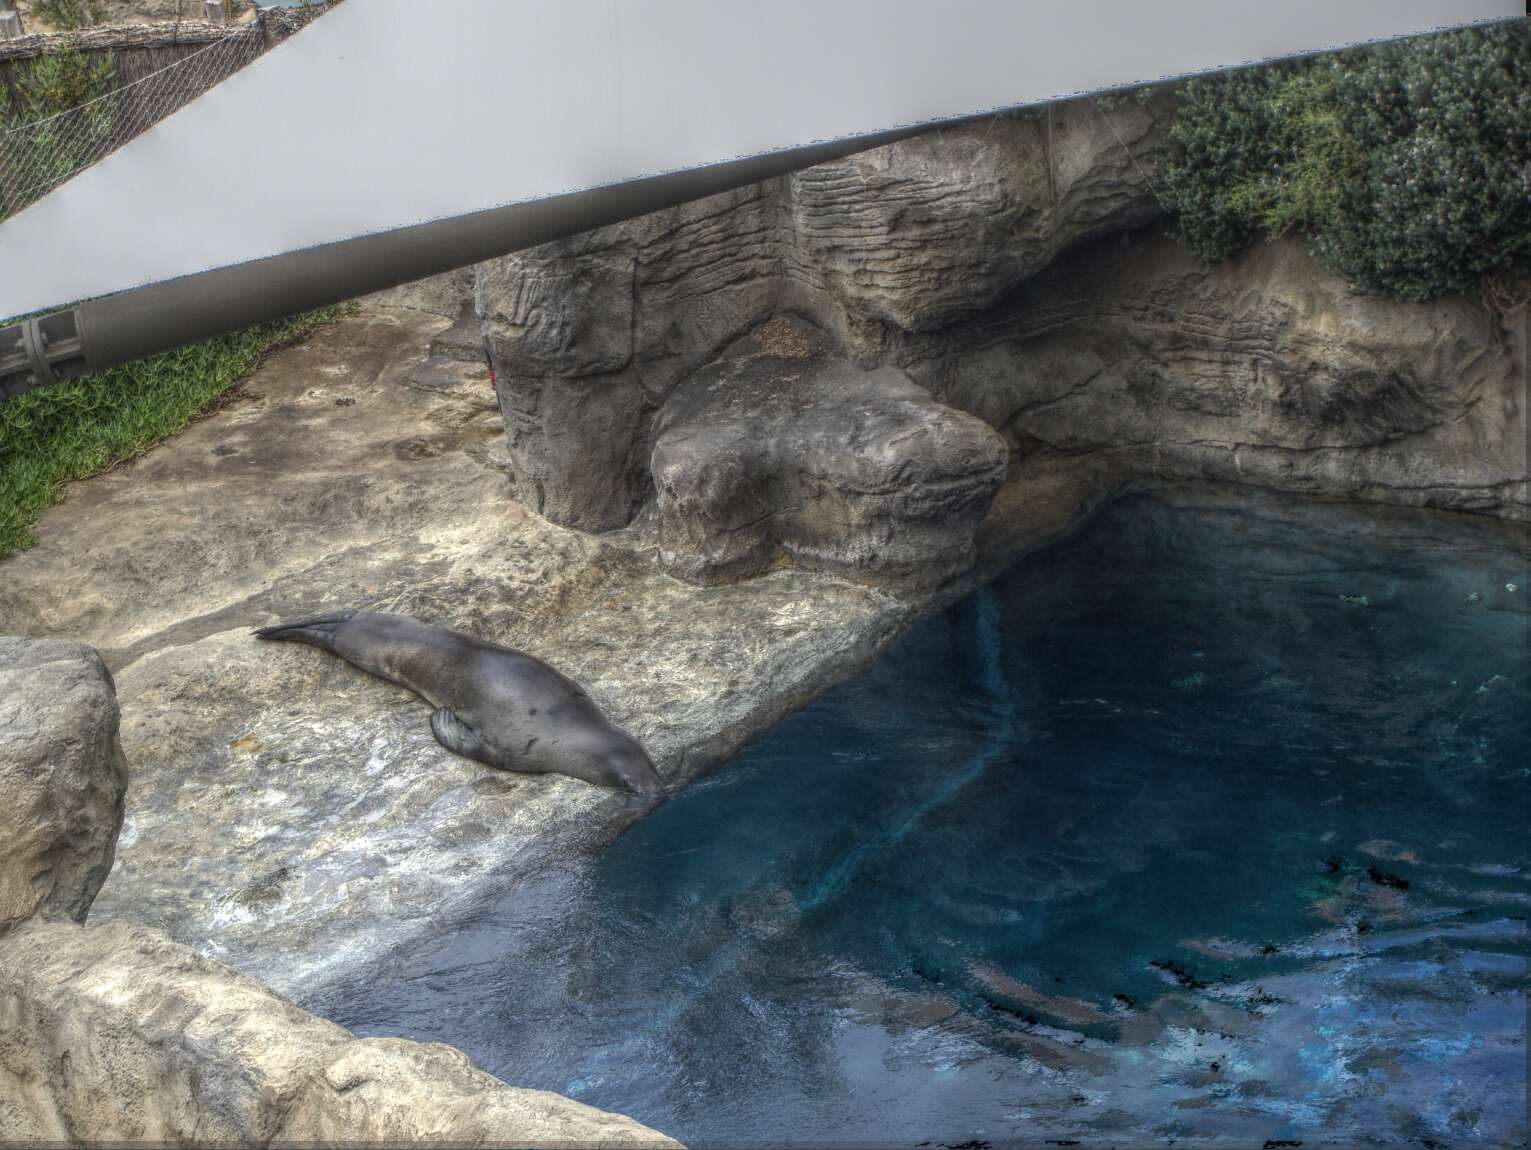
x=140 y=322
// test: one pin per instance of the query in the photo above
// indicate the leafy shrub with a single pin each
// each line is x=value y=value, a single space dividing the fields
x=1408 y=164
x=51 y=147
x=55 y=82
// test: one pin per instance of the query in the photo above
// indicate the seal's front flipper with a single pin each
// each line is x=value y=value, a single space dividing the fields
x=456 y=736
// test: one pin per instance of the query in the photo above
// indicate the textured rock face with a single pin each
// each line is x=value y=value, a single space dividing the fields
x=117 y=1034
x=446 y=295
x=918 y=234
x=782 y=447
x=62 y=779
x=590 y=335
x=997 y=264
x=1261 y=370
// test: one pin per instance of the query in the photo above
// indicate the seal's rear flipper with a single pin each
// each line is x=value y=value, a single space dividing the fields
x=318 y=631
x=456 y=736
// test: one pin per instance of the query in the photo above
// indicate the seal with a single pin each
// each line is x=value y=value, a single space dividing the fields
x=493 y=704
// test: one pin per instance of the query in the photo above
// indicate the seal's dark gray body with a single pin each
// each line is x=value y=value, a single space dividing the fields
x=493 y=704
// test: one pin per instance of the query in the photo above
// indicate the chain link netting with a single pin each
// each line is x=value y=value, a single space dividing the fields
x=39 y=153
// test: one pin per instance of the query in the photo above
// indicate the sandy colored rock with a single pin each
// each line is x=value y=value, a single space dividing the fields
x=446 y=295
x=780 y=447
x=117 y=1034
x=62 y=778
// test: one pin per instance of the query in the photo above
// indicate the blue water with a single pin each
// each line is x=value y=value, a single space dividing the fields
x=1207 y=825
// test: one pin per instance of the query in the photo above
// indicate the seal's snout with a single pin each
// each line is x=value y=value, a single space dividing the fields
x=629 y=768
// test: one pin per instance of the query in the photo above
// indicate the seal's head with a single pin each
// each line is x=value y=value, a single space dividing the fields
x=623 y=764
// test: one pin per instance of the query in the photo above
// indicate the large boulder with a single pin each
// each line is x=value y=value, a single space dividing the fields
x=780 y=447
x=117 y=1034
x=589 y=336
x=62 y=779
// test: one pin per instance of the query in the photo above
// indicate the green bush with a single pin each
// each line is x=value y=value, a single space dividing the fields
x=53 y=147
x=72 y=430
x=1407 y=164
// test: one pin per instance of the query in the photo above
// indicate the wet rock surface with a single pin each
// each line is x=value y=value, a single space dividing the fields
x=293 y=816
x=780 y=447
x=62 y=778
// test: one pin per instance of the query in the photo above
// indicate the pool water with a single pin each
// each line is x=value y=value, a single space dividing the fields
x=1205 y=824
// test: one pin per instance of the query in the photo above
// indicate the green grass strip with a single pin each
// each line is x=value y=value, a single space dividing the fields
x=77 y=429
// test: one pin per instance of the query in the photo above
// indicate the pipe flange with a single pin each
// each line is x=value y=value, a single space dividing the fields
x=34 y=341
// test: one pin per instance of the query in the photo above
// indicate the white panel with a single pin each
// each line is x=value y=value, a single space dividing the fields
x=385 y=113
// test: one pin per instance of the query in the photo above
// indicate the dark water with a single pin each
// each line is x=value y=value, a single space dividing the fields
x=1207 y=824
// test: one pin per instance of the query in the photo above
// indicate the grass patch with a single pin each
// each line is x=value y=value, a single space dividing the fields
x=77 y=429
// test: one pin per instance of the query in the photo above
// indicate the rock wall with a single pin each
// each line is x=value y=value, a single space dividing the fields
x=1011 y=269
x=118 y=1034
x=589 y=336
x=1264 y=370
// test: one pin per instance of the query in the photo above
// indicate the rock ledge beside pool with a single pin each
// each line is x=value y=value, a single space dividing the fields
x=293 y=817
x=117 y=1033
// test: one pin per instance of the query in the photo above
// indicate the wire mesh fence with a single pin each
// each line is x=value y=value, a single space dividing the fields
x=40 y=150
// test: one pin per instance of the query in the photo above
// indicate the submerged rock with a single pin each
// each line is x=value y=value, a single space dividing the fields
x=62 y=779
x=779 y=446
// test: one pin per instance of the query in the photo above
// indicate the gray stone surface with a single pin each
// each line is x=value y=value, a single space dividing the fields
x=116 y=1034
x=463 y=341
x=62 y=779
x=916 y=235
x=293 y=816
x=590 y=335
x=781 y=448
